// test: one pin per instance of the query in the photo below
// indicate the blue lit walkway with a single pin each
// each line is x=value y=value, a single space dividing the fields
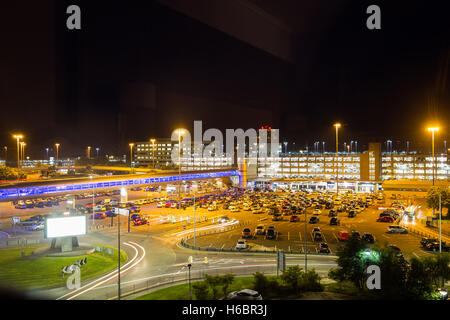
x=113 y=182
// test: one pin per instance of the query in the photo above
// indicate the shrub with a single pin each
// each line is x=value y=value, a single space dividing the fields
x=200 y=290
x=310 y=281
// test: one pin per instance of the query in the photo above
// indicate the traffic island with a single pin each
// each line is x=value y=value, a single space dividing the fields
x=30 y=267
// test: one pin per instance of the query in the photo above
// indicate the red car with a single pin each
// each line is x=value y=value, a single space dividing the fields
x=139 y=221
x=294 y=219
x=385 y=219
x=168 y=204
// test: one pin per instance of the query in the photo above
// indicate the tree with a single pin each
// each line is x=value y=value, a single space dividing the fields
x=213 y=282
x=433 y=198
x=350 y=265
x=7 y=173
x=266 y=287
x=226 y=281
x=291 y=277
x=201 y=290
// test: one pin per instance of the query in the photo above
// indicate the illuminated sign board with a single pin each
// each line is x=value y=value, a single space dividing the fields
x=65 y=226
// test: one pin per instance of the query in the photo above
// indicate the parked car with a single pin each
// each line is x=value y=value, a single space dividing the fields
x=294 y=218
x=270 y=233
x=260 y=229
x=245 y=294
x=241 y=244
x=434 y=246
x=246 y=233
x=397 y=229
x=385 y=219
x=97 y=216
x=314 y=219
x=323 y=248
x=277 y=217
x=425 y=241
x=343 y=235
x=38 y=226
x=332 y=213
x=317 y=212
x=317 y=236
x=335 y=221
x=138 y=221
x=352 y=214
x=396 y=249
x=356 y=234
x=20 y=206
x=368 y=237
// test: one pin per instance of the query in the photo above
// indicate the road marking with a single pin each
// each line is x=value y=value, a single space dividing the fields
x=337 y=240
x=415 y=254
x=300 y=236
x=222 y=246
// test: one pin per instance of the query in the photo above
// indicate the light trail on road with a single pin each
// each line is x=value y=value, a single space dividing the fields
x=110 y=276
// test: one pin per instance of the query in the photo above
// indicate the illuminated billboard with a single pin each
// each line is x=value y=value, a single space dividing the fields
x=65 y=226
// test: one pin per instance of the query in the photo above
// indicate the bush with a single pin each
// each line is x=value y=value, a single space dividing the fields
x=200 y=290
x=310 y=281
x=266 y=287
x=291 y=278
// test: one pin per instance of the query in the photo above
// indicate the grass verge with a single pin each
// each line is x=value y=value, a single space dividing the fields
x=181 y=291
x=27 y=273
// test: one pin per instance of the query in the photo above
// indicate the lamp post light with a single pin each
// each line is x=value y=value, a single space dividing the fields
x=97 y=149
x=21 y=154
x=337 y=126
x=180 y=132
x=57 y=153
x=433 y=130
x=93 y=202
x=153 y=151
x=6 y=154
x=131 y=154
x=89 y=152
x=18 y=137
x=46 y=149
x=190 y=291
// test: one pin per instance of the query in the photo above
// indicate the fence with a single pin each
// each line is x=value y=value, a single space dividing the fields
x=139 y=286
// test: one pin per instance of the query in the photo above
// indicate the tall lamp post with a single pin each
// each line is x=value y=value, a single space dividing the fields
x=57 y=153
x=153 y=149
x=131 y=154
x=18 y=137
x=21 y=153
x=93 y=202
x=180 y=132
x=433 y=130
x=6 y=154
x=337 y=126
x=88 y=152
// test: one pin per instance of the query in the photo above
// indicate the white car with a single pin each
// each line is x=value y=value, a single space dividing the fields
x=397 y=229
x=241 y=244
x=212 y=208
x=38 y=226
x=234 y=209
x=317 y=212
x=160 y=205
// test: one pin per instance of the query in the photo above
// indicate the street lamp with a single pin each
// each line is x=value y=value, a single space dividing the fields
x=337 y=126
x=46 y=149
x=57 y=152
x=88 y=152
x=190 y=291
x=153 y=149
x=21 y=153
x=93 y=202
x=18 y=137
x=433 y=130
x=97 y=149
x=6 y=154
x=180 y=132
x=131 y=154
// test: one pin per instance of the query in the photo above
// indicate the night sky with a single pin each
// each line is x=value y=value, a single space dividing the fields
x=139 y=69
